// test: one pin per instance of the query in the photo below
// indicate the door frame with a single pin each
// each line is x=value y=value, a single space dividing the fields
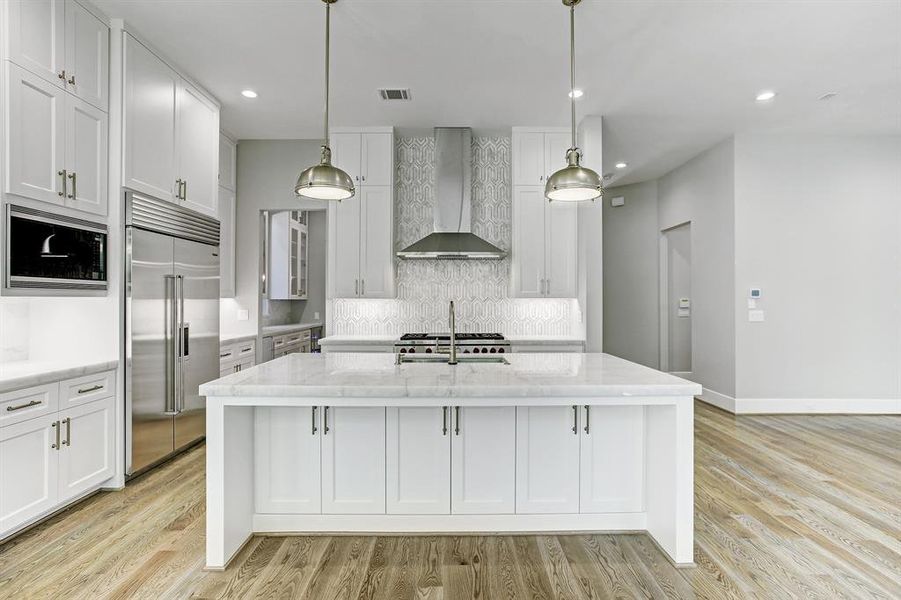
x=662 y=300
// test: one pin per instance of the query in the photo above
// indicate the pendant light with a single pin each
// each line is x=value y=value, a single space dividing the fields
x=573 y=183
x=325 y=181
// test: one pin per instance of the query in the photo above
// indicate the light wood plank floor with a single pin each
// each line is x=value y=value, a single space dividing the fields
x=786 y=507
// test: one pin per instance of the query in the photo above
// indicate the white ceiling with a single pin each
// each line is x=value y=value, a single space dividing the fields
x=670 y=77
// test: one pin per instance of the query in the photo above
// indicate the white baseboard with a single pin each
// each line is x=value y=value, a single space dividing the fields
x=818 y=406
x=718 y=400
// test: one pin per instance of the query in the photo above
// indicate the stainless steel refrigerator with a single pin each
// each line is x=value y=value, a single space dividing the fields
x=171 y=327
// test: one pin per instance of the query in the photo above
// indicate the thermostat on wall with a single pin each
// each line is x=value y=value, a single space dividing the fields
x=755 y=293
x=618 y=201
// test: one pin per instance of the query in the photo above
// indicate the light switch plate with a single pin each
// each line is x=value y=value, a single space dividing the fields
x=316 y=315
x=755 y=316
x=243 y=314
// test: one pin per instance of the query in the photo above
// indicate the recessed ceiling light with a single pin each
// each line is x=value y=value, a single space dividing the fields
x=248 y=93
x=766 y=96
x=621 y=165
x=576 y=94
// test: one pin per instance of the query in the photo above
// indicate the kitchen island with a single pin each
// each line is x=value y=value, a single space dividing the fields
x=534 y=443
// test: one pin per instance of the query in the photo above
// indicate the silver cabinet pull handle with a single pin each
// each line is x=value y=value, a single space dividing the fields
x=62 y=176
x=362 y=287
x=313 y=412
x=178 y=188
x=226 y=355
x=93 y=388
x=61 y=74
x=55 y=426
x=184 y=189
x=587 y=417
x=456 y=420
x=21 y=406
x=575 y=420
x=72 y=79
x=356 y=287
x=325 y=428
x=444 y=420
x=74 y=190
x=68 y=440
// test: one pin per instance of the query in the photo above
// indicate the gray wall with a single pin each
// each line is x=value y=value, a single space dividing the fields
x=630 y=273
x=267 y=170
x=678 y=286
x=818 y=229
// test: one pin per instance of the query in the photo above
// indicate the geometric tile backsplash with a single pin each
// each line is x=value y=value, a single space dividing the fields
x=479 y=288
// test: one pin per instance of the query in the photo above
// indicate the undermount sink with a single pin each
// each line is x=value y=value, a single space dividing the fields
x=444 y=358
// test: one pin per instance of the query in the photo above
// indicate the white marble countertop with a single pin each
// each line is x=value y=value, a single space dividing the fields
x=236 y=337
x=280 y=329
x=544 y=340
x=26 y=373
x=540 y=376
x=359 y=340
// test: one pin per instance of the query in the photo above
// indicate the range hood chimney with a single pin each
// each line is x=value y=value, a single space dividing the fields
x=452 y=236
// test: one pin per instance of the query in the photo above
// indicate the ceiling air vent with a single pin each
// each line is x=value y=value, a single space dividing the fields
x=394 y=94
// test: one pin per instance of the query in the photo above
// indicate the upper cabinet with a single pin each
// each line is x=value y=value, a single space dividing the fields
x=538 y=154
x=361 y=240
x=62 y=43
x=288 y=252
x=544 y=258
x=171 y=148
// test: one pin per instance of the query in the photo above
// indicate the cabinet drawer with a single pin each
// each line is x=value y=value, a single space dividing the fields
x=294 y=339
x=245 y=350
x=28 y=403
x=87 y=389
x=280 y=341
x=226 y=354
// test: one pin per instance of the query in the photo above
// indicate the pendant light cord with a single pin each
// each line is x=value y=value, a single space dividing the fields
x=572 y=67
x=328 y=8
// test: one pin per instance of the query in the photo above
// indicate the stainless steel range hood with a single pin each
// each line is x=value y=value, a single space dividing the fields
x=452 y=237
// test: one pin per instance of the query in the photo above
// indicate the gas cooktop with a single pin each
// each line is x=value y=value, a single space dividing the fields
x=468 y=343
x=461 y=337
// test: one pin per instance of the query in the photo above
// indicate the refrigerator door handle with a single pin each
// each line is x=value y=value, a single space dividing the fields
x=171 y=341
x=183 y=343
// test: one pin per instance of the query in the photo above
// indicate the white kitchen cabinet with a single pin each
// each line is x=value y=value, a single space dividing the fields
x=287 y=451
x=418 y=461
x=353 y=460
x=197 y=149
x=87 y=56
x=288 y=252
x=28 y=470
x=483 y=460
x=149 y=147
x=556 y=144
x=547 y=459
x=171 y=134
x=545 y=246
x=36 y=139
x=612 y=459
x=361 y=240
x=62 y=43
x=37 y=37
x=538 y=154
x=86 y=156
x=228 y=161
x=227 y=208
x=87 y=447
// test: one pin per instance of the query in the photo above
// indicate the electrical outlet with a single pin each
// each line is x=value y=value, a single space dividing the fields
x=243 y=314
x=316 y=315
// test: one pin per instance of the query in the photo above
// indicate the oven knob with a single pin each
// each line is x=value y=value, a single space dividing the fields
x=412 y=350
x=484 y=350
x=501 y=350
x=466 y=352
x=403 y=350
x=428 y=350
x=494 y=350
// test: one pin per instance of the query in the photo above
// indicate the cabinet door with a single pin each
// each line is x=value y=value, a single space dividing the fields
x=555 y=147
x=228 y=155
x=303 y=267
x=87 y=56
x=293 y=259
x=377 y=159
x=528 y=158
x=561 y=249
x=287 y=452
x=86 y=156
x=86 y=456
x=28 y=470
x=35 y=147
x=483 y=461
x=527 y=261
x=547 y=459
x=353 y=460
x=418 y=461
x=226 y=243
x=149 y=161
x=345 y=229
x=377 y=238
x=608 y=482
x=346 y=148
x=197 y=149
x=37 y=37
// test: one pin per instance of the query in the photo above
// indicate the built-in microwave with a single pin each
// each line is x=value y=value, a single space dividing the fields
x=54 y=252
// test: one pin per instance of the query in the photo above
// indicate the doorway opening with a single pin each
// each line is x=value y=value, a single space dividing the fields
x=676 y=300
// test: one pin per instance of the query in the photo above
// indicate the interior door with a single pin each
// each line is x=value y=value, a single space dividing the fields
x=150 y=365
x=86 y=156
x=87 y=55
x=198 y=264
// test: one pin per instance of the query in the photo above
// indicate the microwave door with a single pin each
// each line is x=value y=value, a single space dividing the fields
x=151 y=363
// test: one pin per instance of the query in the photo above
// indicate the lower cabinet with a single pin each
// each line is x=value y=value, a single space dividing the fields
x=49 y=460
x=547 y=459
x=353 y=460
x=418 y=461
x=612 y=459
x=287 y=459
x=483 y=460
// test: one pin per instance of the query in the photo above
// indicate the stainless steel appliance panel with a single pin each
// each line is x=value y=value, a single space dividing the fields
x=151 y=353
x=197 y=270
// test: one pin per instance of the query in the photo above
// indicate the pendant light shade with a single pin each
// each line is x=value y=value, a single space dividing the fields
x=573 y=183
x=325 y=181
